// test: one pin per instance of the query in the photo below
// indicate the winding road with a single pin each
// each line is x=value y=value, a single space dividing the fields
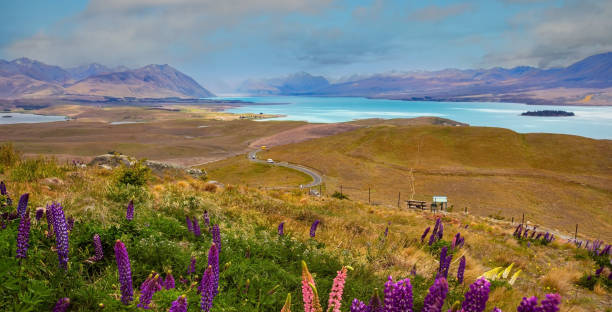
x=316 y=178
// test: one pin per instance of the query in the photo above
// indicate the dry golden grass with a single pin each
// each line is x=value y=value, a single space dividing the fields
x=561 y=280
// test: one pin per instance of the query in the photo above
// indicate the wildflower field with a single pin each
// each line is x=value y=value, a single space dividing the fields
x=91 y=239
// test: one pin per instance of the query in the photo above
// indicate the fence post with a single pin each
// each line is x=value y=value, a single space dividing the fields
x=369 y=193
x=341 y=190
x=399 y=196
x=512 y=220
x=320 y=190
x=523 y=222
x=576 y=233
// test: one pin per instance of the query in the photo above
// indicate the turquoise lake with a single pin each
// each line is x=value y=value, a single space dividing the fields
x=594 y=122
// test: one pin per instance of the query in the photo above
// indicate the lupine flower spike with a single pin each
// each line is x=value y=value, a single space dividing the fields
x=23 y=204
x=62 y=305
x=476 y=298
x=206 y=219
x=213 y=262
x=189 y=224
x=307 y=293
x=436 y=295
x=358 y=306
x=169 y=281
x=425 y=234
x=196 y=227
x=460 y=270
x=49 y=213
x=61 y=234
x=192 y=264
x=39 y=213
x=148 y=289
x=216 y=236
x=23 y=236
x=281 y=229
x=129 y=212
x=179 y=305
x=98 y=248
x=335 y=296
x=398 y=295
x=207 y=291
x=316 y=303
x=313 y=228
x=375 y=305
x=125 y=272
x=287 y=306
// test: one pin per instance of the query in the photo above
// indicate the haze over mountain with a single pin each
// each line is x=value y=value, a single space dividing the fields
x=26 y=78
x=590 y=78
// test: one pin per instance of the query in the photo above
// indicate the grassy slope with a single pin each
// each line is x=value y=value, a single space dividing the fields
x=556 y=180
x=238 y=170
x=350 y=234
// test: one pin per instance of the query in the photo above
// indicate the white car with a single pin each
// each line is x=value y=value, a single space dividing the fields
x=270 y=161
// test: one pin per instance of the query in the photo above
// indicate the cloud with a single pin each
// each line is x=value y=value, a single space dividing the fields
x=151 y=31
x=435 y=13
x=557 y=36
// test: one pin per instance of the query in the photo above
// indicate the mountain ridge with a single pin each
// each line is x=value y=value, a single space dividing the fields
x=27 y=78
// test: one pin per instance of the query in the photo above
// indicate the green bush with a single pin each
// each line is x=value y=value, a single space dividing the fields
x=8 y=156
x=339 y=195
x=137 y=174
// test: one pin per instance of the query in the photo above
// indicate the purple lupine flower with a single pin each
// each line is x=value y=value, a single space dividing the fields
x=125 y=272
x=476 y=298
x=213 y=262
x=61 y=305
x=3 y=188
x=23 y=236
x=496 y=309
x=434 y=233
x=358 y=306
x=525 y=233
x=150 y=287
x=129 y=211
x=413 y=271
x=606 y=250
x=455 y=240
x=532 y=234
x=281 y=229
x=207 y=290
x=425 y=234
x=447 y=263
x=196 y=227
x=598 y=271
x=189 y=224
x=192 y=264
x=313 y=228
x=440 y=231
x=206 y=219
x=169 y=281
x=398 y=296
x=179 y=305
x=216 y=236
x=49 y=213
x=528 y=305
x=61 y=234
x=23 y=204
x=375 y=304
x=460 y=270
x=387 y=229
x=436 y=295
x=551 y=303
x=39 y=213
x=98 y=248
x=70 y=223
x=442 y=265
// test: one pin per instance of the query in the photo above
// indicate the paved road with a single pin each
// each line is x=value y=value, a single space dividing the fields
x=316 y=178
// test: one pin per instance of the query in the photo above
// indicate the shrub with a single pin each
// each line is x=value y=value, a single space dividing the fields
x=137 y=174
x=339 y=195
x=210 y=187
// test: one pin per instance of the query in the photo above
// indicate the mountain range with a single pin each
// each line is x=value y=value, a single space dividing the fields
x=587 y=82
x=26 y=78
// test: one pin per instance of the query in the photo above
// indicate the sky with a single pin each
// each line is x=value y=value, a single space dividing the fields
x=223 y=42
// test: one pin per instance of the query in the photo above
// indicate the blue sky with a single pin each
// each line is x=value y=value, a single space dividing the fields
x=221 y=43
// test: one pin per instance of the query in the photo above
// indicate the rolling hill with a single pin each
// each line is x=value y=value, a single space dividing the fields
x=556 y=180
x=26 y=78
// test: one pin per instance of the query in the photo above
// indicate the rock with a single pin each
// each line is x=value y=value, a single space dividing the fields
x=110 y=161
x=52 y=181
